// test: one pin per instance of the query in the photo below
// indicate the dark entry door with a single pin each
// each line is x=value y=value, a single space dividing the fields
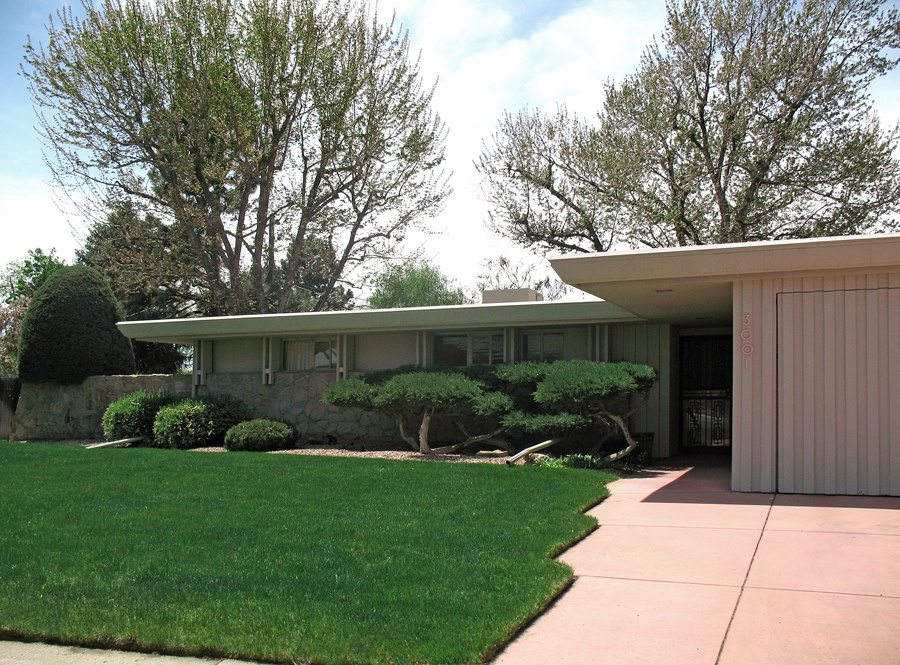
x=706 y=392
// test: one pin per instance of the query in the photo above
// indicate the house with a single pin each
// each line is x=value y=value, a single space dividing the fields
x=281 y=363
x=786 y=354
x=810 y=333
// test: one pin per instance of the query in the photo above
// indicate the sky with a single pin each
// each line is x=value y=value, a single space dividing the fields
x=487 y=56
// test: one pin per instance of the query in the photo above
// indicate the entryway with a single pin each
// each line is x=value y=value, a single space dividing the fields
x=706 y=393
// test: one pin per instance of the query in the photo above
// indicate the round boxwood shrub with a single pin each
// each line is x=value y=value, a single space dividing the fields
x=261 y=434
x=133 y=414
x=69 y=330
x=196 y=422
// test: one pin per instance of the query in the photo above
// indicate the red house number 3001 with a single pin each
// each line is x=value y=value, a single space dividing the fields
x=747 y=339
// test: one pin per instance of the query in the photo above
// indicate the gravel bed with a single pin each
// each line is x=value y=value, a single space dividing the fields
x=377 y=454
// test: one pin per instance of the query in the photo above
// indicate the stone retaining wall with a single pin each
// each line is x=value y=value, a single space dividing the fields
x=297 y=398
x=55 y=412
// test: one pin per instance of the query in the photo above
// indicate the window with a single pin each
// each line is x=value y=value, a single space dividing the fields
x=462 y=350
x=308 y=354
x=451 y=350
x=487 y=349
x=545 y=347
x=325 y=354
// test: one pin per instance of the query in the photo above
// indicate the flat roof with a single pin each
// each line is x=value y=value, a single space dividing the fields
x=453 y=317
x=693 y=285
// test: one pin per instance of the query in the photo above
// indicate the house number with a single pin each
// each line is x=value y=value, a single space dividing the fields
x=747 y=339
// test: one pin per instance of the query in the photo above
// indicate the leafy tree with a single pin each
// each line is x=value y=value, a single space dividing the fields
x=149 y=271
x=503 y=272
x=422 y=396
x=18 y=284
x=69 y=330
x=553 y=400
x=571 y=395
x=414 y=284
x=278 y=138
x=22 y=278
x=11 y=316
x=749 y=120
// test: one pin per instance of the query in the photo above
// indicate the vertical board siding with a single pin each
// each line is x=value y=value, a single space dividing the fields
x=838 y=375
x=653 y=345
x=836 y=384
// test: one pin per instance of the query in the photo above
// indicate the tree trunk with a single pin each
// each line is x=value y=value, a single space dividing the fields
x=424 y=448
x=632 y=444
x=406 y=437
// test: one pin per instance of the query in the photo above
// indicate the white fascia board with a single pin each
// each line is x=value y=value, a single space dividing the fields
x=730 y=262
x=457 y=317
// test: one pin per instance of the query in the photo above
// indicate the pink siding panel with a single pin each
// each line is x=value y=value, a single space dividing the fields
x=838 y=379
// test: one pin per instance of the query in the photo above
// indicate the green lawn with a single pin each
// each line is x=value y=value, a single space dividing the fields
x=280 y=557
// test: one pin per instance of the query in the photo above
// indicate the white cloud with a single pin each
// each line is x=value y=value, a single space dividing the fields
x=486 y=66
x=32 y=219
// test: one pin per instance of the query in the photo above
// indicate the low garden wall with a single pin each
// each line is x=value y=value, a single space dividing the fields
x=56 y=412
x=297 y=398
x=59 y=412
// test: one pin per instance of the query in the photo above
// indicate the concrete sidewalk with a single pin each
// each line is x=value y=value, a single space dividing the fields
x=27 y=653
x=682 y=570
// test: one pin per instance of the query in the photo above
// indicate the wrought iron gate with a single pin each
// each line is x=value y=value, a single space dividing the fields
x=706 y=392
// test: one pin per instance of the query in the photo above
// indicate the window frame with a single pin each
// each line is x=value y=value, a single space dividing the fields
x=308 y=353
x=541 y=333
x=491 y=334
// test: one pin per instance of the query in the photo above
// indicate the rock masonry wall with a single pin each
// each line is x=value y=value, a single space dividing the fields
x=73 y=412
x=56 y=412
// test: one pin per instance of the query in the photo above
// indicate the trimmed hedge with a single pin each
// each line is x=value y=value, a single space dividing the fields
x=134 y=414
x=69 y=331
x=261 y=434
x=197 y=422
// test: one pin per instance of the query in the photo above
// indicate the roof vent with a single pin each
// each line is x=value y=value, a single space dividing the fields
x=492 y=296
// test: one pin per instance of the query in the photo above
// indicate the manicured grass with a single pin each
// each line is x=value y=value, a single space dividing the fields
x=280 y=557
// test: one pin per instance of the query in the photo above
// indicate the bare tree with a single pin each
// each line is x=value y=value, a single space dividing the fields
x=503 y=272
x=749 y=120
x=275 y=134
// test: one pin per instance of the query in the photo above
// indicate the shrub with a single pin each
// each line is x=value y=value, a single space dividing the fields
x=196 y=422
x=576 y=461
x=544 y=423
x=133 y=414
x=69 y=331
x=354 y=392
x=261 y=434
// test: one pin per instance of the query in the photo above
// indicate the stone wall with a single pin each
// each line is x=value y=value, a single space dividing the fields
x=54 y=412
x=297 y=398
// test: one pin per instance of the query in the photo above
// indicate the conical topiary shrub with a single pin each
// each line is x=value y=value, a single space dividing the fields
x=69 y=331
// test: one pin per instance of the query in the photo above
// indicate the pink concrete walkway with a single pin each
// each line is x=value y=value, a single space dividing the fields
x=682 y=570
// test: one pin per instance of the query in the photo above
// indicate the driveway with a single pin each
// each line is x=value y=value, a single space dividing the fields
x=682 y=570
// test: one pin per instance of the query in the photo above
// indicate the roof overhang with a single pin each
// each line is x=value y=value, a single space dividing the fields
x=456 y=317
x=692 y=286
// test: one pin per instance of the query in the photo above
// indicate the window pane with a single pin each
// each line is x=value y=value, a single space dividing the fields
x=325 y=354
x=450 y=350
x=553 y=347
x=496 y=349
x=532 y=346
x=293 y=356
x=481 y=349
